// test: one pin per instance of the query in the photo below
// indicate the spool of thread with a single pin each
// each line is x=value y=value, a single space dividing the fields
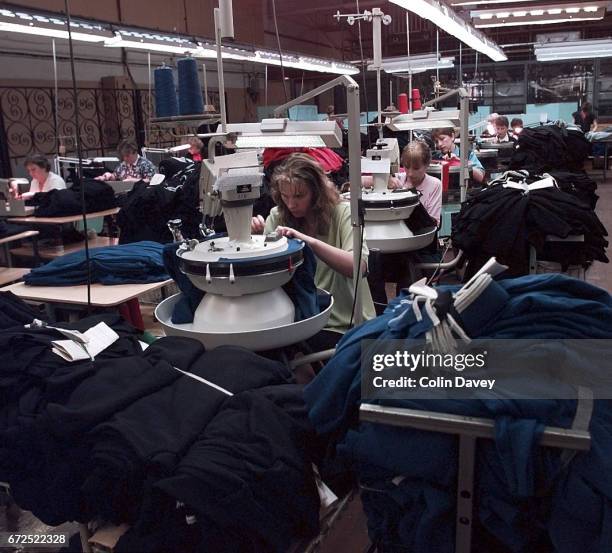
x=190 y=91
x=416 y=99
x=166 y=104
x=402 y=102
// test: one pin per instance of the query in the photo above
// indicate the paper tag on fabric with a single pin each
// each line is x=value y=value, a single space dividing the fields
x=97 y=339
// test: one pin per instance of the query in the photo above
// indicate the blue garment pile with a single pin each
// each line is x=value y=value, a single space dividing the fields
x=523 y=494
x=136 y=263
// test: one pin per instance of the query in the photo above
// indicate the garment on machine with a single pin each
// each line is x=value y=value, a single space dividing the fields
x=139 y=262
x=301 y=288
x=504 y=222
x=417 y=510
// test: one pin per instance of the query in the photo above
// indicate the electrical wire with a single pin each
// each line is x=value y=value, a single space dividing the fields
x=79 y=155
x=431 y=278
x=280 y=52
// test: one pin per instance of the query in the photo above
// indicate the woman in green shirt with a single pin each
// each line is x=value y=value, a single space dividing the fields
x=309 y=208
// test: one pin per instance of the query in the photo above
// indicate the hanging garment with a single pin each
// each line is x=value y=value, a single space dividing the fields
x=522 y=495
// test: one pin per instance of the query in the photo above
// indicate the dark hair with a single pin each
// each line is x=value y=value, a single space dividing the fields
x=40 y=161
x=447 y=131
x=126 y=147
x=501 y=121
x=516 y=122
x=586 y=106
x=416 y=152
x=303 y=169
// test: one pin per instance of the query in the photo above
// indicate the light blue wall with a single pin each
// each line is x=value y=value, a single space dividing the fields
x=561 y=110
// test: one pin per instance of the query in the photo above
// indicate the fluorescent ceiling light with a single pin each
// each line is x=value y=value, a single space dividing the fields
x=279 y=133
x=152 y=41
x=449 y=21
x=539 y=15
x=416 y=64
x=46 y=31
x=580 y=49
x=476 y=2
x=425 y=119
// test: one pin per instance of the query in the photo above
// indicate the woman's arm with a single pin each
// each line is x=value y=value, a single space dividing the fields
x=339 y=260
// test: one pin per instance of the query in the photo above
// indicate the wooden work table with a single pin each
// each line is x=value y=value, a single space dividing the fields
x=101 y=294
x=61 y=220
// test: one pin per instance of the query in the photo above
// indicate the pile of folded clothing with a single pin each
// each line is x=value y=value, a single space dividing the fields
x=136 y=263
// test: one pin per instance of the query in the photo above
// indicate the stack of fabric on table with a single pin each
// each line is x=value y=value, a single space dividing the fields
x=213 y=460
x=547 y=147
x=140 y=262
x=99 y=196
x=519 y=210
x=527 y=498
x=146 y=210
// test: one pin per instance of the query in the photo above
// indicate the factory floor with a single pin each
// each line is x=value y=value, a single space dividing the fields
x=348 y=534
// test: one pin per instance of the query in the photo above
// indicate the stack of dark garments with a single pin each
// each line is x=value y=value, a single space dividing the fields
x=215 y=461
x=504 y=222
x=550 y=147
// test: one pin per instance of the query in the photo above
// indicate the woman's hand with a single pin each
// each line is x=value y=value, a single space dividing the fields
x=105 y=176
x=257 y=225
x=289 y=232
x=394 y=183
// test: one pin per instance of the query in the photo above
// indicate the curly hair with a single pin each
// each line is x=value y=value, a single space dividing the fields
x=303 y=170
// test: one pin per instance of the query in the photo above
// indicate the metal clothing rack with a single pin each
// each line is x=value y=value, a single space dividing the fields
x=469 y=429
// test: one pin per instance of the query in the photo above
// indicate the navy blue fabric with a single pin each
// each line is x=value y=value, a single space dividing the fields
x=139 y=262
x=301 y=289
x=521 y=492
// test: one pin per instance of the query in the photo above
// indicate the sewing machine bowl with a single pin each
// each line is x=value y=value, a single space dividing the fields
x=396 y=237
x=239 y=273
x=255 y=340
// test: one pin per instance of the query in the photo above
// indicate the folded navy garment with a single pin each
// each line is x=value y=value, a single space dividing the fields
x=140 y=262
x=301 y=289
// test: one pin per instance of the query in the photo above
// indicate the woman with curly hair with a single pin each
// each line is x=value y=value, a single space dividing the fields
x=308 y=207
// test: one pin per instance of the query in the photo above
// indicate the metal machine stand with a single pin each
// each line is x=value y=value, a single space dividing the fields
x=468 y=429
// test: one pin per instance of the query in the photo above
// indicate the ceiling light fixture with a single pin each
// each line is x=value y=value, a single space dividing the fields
x=447 y=20
x=416 y=64
x=539 y=15
x=579 y=49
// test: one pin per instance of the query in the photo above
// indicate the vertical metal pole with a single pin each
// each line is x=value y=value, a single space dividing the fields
x=437 y=56
x=55 y=100
x=220 y=71
x=460 y=63
x=205 y=78
x=390 y=91
x=352 y=100
x=379 y=100
x=465 y=493
x=377 y=47
x=148 y=101
x=410 y=108
x=464 y=106
x=266 y=85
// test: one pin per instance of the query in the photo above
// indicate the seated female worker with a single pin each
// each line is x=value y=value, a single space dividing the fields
x=445 y=141
x=43 y=179
x=309 y=208
x=415 y=159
